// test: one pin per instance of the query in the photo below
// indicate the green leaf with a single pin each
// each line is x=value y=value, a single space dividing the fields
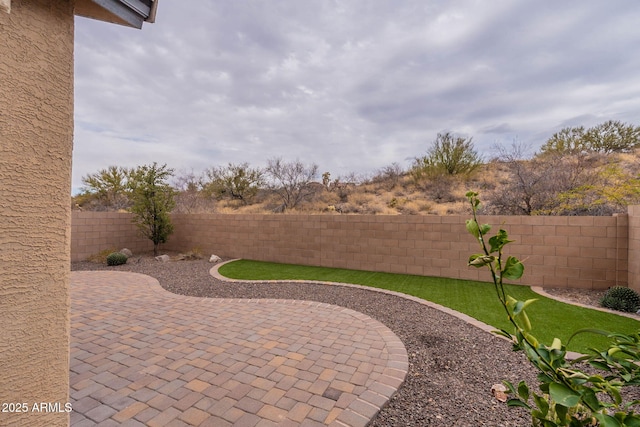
x=561 y=413
x=513 y=269
x=481 y=260
x=600 y=365
x=521 y=305
x=632 y=421
x=503 y=333
x=523 y=391
x=510 y=387
x=498 y=241
x=517 y=403
x=526 y=326
x=614 y=393
x=607 y=420
x=472 y=227
x=589 y=397
x=563 y=395
x=542 y=404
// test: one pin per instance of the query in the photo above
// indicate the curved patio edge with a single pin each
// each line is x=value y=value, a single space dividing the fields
x=119 y=294
x=468 y=319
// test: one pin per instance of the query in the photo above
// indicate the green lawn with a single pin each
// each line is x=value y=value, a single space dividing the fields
x=550 y=318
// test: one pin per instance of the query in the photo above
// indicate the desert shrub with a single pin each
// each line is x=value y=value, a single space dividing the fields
x=448 y=155
x=193 y=254
x=621 y=299
x=116 y=258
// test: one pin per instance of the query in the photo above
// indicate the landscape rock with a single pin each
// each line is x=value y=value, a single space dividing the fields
x=127 y=252
x=499 y=391
x=215 y=259
x=163 y=258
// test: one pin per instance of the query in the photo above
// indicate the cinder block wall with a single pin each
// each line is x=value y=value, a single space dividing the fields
x=577 y=252
x=92 y=232
x=634 y=247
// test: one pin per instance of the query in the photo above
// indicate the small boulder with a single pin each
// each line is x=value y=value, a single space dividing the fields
x=215 y=259
x=127 y=252
x=499 y=391
x=163 y=258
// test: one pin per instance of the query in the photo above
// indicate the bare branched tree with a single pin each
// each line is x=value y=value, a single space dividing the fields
x=292 y=180
x=389 y=175
x=189 y=196
x=533 y=185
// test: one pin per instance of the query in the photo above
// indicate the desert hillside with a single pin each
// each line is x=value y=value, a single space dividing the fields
x=582 y=184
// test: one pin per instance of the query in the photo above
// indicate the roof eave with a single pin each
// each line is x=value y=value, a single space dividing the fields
x=132 y=13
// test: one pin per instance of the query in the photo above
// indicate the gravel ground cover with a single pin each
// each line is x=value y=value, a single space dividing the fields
x=452 y=364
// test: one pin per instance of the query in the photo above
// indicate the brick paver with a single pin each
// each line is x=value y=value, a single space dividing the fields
x=143 y=356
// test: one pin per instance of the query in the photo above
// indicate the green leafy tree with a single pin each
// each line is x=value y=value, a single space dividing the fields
x=569 y=140
x=609 y=137
x=612 y=136
x=153 y=199
x=107 y=187
x=234 y=181
x=449 y=155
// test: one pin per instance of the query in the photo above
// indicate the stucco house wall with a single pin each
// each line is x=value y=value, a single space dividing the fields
x=36 y=137
x=36 y=142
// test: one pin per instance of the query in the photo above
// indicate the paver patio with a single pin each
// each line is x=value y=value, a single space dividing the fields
x=143 y=356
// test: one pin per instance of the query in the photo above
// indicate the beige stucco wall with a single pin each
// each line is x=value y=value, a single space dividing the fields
x=36 y=127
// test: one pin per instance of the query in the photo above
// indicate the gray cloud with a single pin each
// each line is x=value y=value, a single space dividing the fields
x=351 y=85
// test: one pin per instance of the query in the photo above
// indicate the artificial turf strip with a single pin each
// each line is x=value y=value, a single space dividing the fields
x=550 y=318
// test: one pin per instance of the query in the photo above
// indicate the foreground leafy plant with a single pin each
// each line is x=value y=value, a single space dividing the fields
x=567 y=395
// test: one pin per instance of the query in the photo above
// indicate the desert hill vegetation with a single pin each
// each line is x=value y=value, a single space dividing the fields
x=577 y=171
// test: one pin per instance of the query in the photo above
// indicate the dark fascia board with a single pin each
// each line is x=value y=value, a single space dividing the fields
x=133 y=12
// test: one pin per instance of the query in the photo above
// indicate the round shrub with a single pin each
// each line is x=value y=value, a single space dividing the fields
x=116 y=258
x=621 y=299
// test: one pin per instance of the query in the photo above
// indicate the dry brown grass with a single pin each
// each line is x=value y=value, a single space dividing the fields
x=403 y=196
x=101 y=257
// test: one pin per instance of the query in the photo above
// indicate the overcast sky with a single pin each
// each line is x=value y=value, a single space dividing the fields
x=351 y=85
